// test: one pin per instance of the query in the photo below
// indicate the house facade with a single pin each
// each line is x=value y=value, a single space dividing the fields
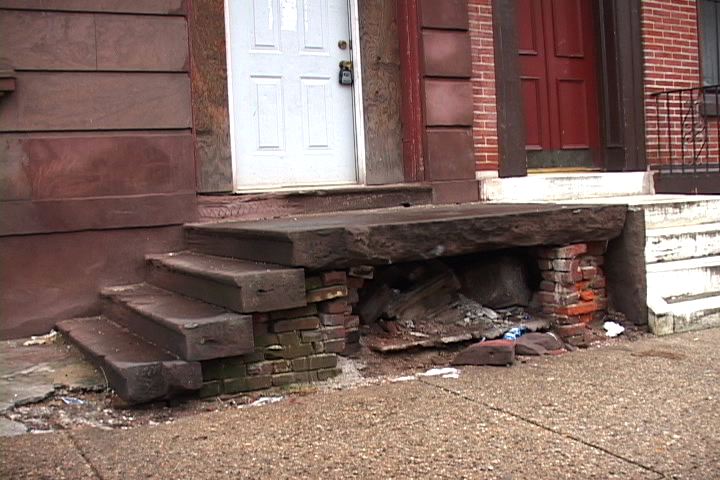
x=120 y=121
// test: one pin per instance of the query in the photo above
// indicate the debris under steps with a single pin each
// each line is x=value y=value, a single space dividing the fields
x=191 y=329
x=138 y=371
x=238 y=285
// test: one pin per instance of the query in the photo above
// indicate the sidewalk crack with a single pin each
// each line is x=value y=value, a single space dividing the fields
x=535 y=423
x=80 y=451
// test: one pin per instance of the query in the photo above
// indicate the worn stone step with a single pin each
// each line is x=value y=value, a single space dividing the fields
x=667 y=210
x=683 y=277
x=137 y=370
x=238 y=285
x=684 y=316
x=189 y=328
x=683 y=242
x=393 y=235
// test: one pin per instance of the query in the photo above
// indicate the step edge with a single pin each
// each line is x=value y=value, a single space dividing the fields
x=165 y=322
x=161 y=261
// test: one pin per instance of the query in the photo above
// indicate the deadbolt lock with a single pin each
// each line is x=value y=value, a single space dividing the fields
x=345 y=76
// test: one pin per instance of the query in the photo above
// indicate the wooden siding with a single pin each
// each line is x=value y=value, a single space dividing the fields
x=155 y=7
x=97 y=134
x=97 y=164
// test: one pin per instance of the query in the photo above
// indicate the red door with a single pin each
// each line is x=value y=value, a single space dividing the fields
x=558 y=68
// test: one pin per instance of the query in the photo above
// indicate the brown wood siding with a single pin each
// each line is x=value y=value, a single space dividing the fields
x=97 y=165
x=210 y=96
x=155 y=7
x=46 y=278
x=382 y=91
x=97 y=134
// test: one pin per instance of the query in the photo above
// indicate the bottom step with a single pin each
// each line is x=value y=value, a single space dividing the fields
x=684 y=315
x=137 y=371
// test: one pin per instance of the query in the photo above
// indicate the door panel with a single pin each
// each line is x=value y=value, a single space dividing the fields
x=557 y=54
x=568 y=27
x=572 y=108
x=292 y=122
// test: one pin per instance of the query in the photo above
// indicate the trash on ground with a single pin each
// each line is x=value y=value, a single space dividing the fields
x=72 y=401
x=41 y=339
x=438 y=372
x=613 y=329
x=515 y=333
x=262 y=401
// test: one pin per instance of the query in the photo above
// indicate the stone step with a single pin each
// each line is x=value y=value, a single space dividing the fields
x=666 y=210
x=237 y=285
x=684 y=316
x=338 y=240
x=683 y=242
x=189 y=328
x=138 y=371
x=678 y=210
x=679 y=278
x=557 y=187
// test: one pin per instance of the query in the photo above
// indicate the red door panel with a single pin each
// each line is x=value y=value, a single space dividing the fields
x=558 y=67
x=533 y=74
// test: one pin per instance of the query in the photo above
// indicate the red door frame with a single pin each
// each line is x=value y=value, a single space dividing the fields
x=408 y=16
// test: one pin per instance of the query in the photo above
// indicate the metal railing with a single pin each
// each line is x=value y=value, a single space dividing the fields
x=684 y=131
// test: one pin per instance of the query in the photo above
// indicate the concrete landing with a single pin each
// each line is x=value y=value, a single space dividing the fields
x=397 y=235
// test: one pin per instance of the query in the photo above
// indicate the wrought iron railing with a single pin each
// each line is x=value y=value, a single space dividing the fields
x=684 y=130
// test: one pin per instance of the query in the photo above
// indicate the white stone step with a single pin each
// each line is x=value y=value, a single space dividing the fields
x=694 y=314
x=679 y=278
x=684 y=242
x=667 y=210
x=553 y=187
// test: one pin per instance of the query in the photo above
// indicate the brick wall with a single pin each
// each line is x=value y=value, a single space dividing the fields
x=483 y=84
x=672 y=60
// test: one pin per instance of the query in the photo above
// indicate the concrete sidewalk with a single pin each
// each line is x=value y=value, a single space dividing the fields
x=649 y=409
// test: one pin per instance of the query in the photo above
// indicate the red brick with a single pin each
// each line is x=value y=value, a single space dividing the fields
x=334 y=306
x=565 y=265
x=579 y=308
x=355 y=282
x=338 y=277
x=571 y=330
x=587 y=295
x=589 y=273
x=333 y=319
x=597 y=248
x=566 y=252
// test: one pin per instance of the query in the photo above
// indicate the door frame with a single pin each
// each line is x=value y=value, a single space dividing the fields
x=357 y=100
x=623 y=131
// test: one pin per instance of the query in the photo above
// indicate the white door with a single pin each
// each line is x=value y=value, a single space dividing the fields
x=292 y=122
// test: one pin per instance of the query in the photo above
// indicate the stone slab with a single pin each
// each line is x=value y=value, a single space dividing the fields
x=387 y=236
x=137 y=371
x=191 y=329
x=238 y=285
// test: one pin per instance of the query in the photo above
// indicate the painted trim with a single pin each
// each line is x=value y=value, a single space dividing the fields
x=358 y=111
x=512 y=158
x=413 y=128
x=231 y=103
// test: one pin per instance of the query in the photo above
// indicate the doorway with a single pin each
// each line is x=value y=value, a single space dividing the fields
x=558 y=66
x=293 y=124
